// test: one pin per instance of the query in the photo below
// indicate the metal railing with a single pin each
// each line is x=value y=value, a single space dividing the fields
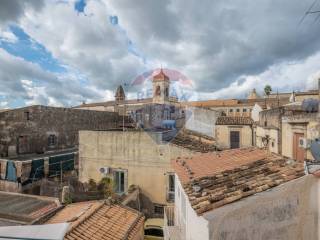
x=169 y=215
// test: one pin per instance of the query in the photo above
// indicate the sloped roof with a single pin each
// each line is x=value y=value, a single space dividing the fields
x=161 y=76
x=120 y=93
x=191 y=143
x=213 y=180
x=99 y=220
x=25 y=209
x=224 y=120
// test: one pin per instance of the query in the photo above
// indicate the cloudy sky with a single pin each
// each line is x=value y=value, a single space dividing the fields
x=64 y=52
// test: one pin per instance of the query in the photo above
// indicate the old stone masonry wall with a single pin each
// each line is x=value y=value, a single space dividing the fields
x=37 y=129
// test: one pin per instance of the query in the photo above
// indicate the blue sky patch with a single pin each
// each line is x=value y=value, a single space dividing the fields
x=80 y=5
x=31 y=51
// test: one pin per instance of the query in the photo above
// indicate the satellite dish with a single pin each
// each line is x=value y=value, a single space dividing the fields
x=315 y=149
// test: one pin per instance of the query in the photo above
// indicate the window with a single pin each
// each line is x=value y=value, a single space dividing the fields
x=171 y=182
x=52 y=140
x=158 y=91
x=27 y=115
x=167 y=92
x=119 y=183
x=171 y=188
x=238 y=110
x=231 y=110
x=244 y=110
x=156 y=232
x=272 y=144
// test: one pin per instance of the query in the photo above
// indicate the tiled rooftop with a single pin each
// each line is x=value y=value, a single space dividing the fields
x=189 y=142
x=98 y=220
x=214 y=180
x=25 y=209
x=234 y=121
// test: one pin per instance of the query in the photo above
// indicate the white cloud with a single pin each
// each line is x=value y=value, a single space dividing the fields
x=7 y=36
x=4 y=104
x=295 y=76
x=86 y=42
x=20 y=79
x=225 y=47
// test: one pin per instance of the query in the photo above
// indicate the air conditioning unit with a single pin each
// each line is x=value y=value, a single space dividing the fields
x=303 y=143
x=105 y=170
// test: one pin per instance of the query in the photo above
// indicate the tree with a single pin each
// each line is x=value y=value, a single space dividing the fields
x=267 y=90
x=105 y=186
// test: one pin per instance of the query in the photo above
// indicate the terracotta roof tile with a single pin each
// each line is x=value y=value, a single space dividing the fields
x=213 y=180
x=98 y=220
x=234 y=121
x=192 y=142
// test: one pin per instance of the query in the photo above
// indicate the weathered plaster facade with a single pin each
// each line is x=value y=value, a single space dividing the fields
x=287 y=212
x=140 y=154
x=201 y=120
x=223 y=135
x=307 y=125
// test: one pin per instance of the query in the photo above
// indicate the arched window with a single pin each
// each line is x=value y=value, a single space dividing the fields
x=167 y=92
x=158 y=91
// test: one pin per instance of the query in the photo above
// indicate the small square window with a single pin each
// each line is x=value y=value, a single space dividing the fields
x=27 y=115
x=231 y=110
x=52 y=140
x=244 y=110
x=238 y=110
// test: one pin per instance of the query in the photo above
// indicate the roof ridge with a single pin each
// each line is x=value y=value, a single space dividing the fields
x=133 y=225
x=86 y=217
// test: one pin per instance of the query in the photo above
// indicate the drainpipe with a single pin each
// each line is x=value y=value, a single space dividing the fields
x=252 y=136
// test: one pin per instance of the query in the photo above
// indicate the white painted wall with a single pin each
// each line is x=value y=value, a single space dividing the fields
x=255 y=112
x=191 y=226
x=287 y=212
x=201 y=120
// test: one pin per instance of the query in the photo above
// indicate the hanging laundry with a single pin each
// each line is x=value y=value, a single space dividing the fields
x=37 y=169
x=11 y=171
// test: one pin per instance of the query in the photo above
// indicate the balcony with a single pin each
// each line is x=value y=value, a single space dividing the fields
x=171 y=232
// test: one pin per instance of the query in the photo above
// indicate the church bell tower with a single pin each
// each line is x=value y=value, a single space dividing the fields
x=161 y=88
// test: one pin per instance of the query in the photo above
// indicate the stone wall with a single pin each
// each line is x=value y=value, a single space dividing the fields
x=274 y=139
x=27 y=130
x=271 y=118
